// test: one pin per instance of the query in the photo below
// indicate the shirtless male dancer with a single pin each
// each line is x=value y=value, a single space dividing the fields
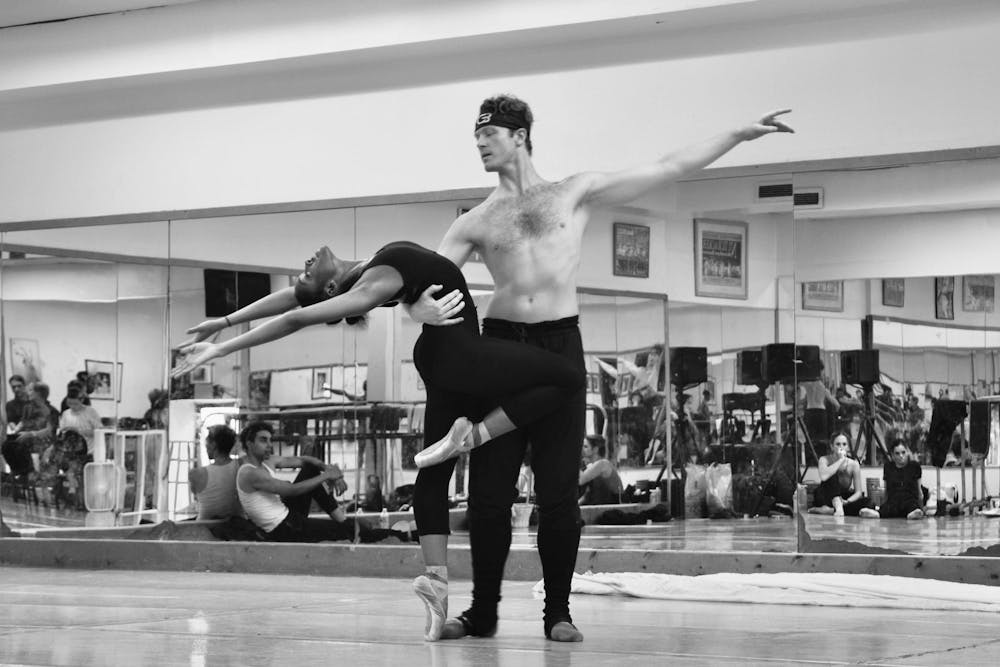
x=529 y=232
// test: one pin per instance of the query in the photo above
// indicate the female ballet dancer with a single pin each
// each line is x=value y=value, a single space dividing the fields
x=466 y=375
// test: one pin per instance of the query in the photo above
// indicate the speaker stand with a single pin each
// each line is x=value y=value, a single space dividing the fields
x=791 y=438
x=683 y=427
x=868 y=430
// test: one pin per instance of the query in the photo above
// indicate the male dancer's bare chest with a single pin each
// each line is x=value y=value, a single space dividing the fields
x=511 y=223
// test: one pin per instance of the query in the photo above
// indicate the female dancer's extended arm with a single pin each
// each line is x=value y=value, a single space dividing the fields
x=369 y=292
x=273 y=304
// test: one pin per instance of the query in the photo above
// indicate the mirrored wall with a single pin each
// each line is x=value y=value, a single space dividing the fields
x=108 y=306
x=895 y=285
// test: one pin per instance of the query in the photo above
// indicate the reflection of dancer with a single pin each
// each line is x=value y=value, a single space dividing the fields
x=529 y=232
x=460 y=369
x=841 y=490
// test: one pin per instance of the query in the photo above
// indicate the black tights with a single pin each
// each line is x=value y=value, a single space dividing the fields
x=467 y=375
x=552 y=418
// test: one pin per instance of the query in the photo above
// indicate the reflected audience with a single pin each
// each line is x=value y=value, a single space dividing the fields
x=840 y=492
x=904 y=496
x=819 y=409
x=15 y=406
x=263 y=495
x=79 y=416
x=80 y=382
x=159 y=405
x=63 y=461
x=32 y=436
x=599 y=481
x=214 y=485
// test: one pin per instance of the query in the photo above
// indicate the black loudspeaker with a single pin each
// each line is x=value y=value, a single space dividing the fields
x=777 y=362
x=808 y=364
x=945 y=418
x=859 y=367
x=688 y=366
x=748 y=367
x=787 y=362
x=979 y=427
x=228 y=291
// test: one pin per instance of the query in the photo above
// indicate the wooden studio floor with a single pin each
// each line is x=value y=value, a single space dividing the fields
x=114 y=617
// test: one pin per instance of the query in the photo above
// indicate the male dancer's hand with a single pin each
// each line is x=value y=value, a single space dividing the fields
x=441 y=312
x=767 y=124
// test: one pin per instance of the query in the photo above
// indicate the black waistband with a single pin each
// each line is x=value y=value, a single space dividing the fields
x=563 y=324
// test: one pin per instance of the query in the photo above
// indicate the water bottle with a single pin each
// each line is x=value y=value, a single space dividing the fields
x=383 y=518
x=655 y=496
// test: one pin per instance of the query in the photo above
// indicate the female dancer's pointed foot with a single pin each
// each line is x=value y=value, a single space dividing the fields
x=434 y=594
x=447 y=447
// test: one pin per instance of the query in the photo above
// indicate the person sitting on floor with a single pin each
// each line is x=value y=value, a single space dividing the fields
x=214 y=485
x=841 y=490
x=599 y=480
x=262 y=495
x=903 y=495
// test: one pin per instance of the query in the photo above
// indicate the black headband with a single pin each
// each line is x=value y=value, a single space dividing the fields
x=500 y=119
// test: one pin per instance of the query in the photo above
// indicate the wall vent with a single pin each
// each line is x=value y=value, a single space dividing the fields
x=774 y=191
x=808 y=198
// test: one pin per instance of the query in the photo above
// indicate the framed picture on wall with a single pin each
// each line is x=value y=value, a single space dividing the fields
x=631 y=250
x=944 y=298
x=978 y=294
x=893 y=292
x=101 y=375
x=720 y=258
x=24 y=359
x=320 y=381
x=204 y=374
x=823 y=295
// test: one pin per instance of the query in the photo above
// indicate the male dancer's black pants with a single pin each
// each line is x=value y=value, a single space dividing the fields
x=555 y=459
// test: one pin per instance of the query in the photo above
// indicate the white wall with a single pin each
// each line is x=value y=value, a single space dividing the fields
x=860 y=94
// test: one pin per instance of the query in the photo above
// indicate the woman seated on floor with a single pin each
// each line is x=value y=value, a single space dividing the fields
x=841 y=490
x=903 y=494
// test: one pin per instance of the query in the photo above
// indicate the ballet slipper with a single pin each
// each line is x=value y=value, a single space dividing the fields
x=434 y=594
x=447 y=447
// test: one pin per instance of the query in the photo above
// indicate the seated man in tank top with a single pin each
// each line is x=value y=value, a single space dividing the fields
x=599 y=481
x=264 y=496
x=214 y=485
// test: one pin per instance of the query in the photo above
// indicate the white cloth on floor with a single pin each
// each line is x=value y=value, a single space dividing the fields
x=821 y=589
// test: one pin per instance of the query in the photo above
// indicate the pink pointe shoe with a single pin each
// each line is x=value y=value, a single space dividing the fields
x=447 y=447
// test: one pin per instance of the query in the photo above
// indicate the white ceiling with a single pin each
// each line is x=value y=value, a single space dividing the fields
x=23 y=12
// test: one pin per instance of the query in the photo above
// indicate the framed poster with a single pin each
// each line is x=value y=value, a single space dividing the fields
x=630 y=249
x=320 y=382
x=823 y=295
x=944 y=298
x=203 y=374
x=893 y=292
x=24 y=359
x=720 y=258
x=100 y=376
x=978 y=294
